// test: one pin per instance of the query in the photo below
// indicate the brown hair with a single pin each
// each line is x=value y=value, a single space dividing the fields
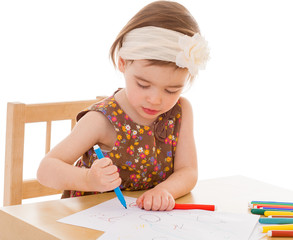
x=164 y=14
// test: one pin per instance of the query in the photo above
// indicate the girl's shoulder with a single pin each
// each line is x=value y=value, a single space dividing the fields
x=184 y=107
x=94 y=120
x=102 y=106
x=185 y=104
x=184 y=101
x=186 y=111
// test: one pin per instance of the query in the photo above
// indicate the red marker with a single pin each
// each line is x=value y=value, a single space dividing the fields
x=280 y=233
x=195 y=206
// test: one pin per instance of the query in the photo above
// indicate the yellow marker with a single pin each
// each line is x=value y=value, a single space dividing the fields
x=265 y=229
x=283 y=213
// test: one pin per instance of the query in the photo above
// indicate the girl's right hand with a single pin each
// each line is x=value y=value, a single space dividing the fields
x=103 y=176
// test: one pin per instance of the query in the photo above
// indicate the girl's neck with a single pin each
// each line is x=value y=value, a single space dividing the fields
x=122 y=100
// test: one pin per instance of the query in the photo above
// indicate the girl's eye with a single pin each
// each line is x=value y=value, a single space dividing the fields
x=142 y=86
x=170 y=92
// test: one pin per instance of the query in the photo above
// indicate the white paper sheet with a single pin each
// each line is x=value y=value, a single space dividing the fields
x=183 y=224
x=103 y=216
x=134 y=223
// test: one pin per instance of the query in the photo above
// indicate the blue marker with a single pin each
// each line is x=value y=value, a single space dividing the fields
x=117 y=189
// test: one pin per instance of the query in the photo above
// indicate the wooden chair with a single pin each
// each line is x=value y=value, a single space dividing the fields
x=18 y=114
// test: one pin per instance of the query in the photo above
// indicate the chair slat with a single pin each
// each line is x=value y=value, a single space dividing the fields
x=32 y=188
x=73 y=122
x=54 y=111
x=48 y=136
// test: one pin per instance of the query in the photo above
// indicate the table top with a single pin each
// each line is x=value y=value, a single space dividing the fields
x=39 y=220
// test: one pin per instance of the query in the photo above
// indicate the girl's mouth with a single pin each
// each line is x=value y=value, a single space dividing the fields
x=150 y=111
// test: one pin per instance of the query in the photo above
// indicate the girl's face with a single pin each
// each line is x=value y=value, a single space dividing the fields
x=152 y=89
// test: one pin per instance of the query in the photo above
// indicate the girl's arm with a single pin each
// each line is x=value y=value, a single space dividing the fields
x=185 y=173
x=56 y=170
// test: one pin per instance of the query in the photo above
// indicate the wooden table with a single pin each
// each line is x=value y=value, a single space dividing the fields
x=37 y=221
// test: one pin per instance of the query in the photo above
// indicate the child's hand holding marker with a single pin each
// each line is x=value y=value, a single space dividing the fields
x=180 y=206
x=117 y=190
x=103 y=176
x=156 y=199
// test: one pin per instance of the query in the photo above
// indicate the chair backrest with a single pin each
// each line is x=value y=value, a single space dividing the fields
x=18 y=114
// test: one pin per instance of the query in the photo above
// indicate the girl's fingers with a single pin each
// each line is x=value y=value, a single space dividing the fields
x=147 y=202
x=164 y=203
x=116 y=183
x=171 y=204
x=106 y=166
x=112 y=177
x=156 y=204
x=109 y=170
x=139 y=201
x=104 y=162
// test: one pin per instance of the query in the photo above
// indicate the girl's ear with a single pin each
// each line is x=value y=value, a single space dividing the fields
x=121 y=64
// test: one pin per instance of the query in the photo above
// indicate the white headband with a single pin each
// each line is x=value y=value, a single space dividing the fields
x=167 y=45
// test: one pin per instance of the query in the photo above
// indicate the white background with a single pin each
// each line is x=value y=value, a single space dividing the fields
x=57 y=50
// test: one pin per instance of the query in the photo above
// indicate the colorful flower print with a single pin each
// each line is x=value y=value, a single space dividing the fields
x=143 y=160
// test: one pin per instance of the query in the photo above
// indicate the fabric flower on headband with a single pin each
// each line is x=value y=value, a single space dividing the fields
x=194 y=54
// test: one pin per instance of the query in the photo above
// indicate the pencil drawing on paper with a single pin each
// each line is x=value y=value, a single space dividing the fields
x=135 y=223
x=107 y=218
x=151 y=218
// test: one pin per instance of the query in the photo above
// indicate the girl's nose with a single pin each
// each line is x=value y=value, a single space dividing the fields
x=154 y=97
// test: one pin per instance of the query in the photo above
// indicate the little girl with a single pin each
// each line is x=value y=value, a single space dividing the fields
x=146 y=129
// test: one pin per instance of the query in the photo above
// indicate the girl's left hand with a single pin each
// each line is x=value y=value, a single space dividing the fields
x=156 y=199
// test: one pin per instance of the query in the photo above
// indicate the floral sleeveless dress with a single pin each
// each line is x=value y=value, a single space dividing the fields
x=144 y=155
